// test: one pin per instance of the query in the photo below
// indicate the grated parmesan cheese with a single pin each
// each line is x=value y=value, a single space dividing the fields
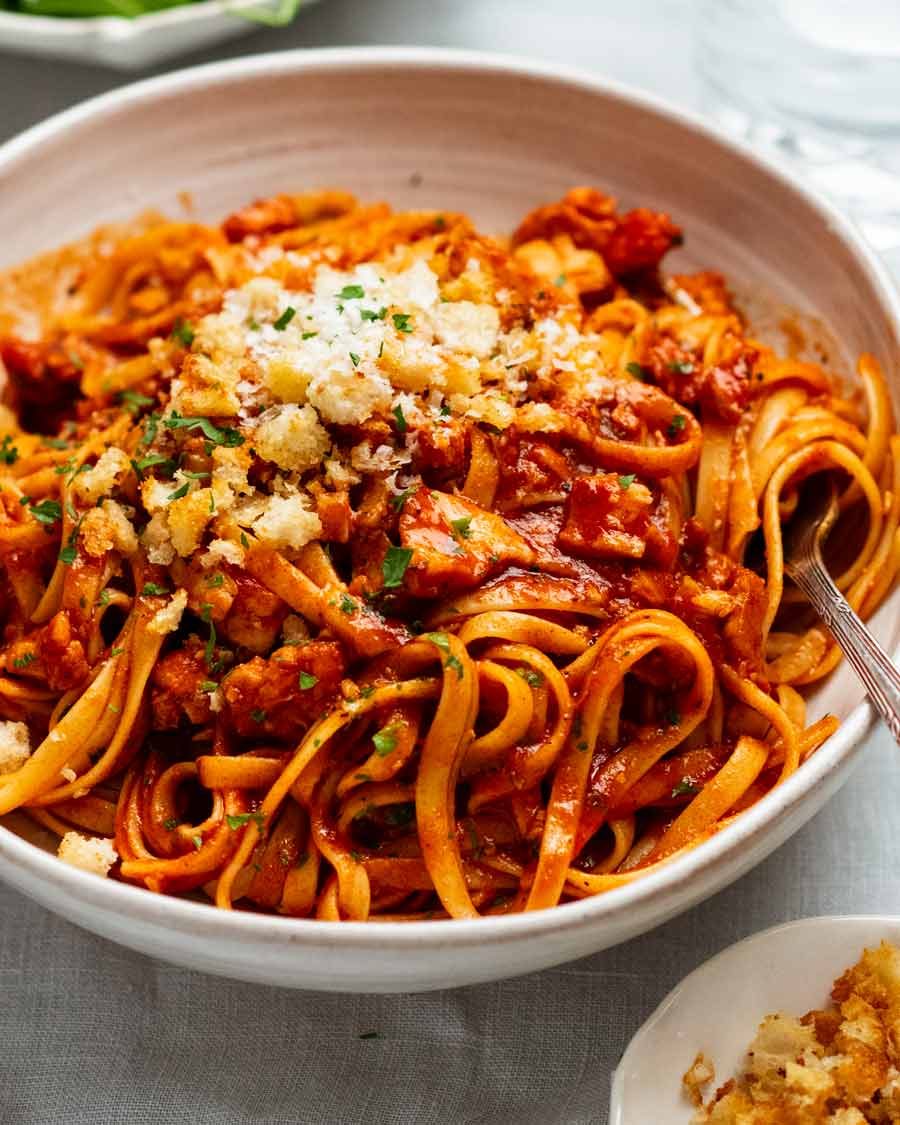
x=15 y=746
x=90 y=853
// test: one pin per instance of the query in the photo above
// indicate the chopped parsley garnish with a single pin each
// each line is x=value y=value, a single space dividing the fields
x=68 y=554
x=133 y=401
x=152 y=460
x=385 y=741
x=560 y=281
x=208 y=686
x=179 y=492
x=183 y=332
x=685 y=789
x=682 y=368
x=153 y=590
x=456 y=664
x=225 y=436
x=238 y=820
x=440 y=639
x=171 y=824
x=627 y=481
x=197 y=841
x=351 y=293
x=258 y=715
x=285 y=319
x=104 y=597
x=206 y=618
x=461 y=527
x=348 y=605
x=531 y=676
x=439 y=222
x=55 y=442
x=116 y=651
x=400 y=499
x=396 y=560
x=8 y=452
x=194 y=476
x=47 y=512
x=75 y=359
x=307 y=681
x=151 y=425
x=445 y=410
x=402 y=322
x=372 y=314
x=214 y=581
x=308 y=335
x=676 y=425
x=638 y=371
x=399 y=418
x=25 y=660
x=354 y=358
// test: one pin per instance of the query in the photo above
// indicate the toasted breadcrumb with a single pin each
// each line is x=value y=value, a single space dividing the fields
x=87 y=852
x=840 y=1065
x=15 y=746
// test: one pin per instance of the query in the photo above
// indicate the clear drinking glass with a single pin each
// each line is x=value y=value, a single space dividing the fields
x=816 y=83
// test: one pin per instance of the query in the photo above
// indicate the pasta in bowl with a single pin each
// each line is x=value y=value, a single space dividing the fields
x=363 y=566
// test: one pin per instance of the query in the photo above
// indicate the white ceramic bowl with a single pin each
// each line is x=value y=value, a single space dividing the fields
x=718 y=1008
x=130 y=44
x=493 y=137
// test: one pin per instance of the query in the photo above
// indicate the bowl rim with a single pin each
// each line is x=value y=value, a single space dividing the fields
x=201 y=919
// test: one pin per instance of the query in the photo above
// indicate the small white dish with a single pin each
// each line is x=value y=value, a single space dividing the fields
x=129 y=44
x=717 y=1009
x=492 y=136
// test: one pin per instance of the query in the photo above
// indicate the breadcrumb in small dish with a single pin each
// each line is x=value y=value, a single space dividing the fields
x=839 y=1065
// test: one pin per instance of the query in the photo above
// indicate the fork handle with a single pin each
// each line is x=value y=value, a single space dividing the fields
x=868 y=659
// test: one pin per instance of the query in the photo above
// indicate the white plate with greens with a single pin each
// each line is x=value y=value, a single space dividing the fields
x=129 y=34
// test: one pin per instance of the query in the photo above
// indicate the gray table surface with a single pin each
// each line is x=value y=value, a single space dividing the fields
x=91 y=1034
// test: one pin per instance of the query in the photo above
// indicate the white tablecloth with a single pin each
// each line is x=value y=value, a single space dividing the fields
x=91 y=1034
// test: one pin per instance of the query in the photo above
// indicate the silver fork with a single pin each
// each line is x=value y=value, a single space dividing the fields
x=803 y=539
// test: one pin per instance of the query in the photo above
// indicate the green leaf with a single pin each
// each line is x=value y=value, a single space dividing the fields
x=531 y=676
x=348 y=605
x=354 y=358
x=351 y=292
x=285 y=319
x=686 y=789
x=183 y=332
x=9 y=454
x=456 y=664
x=133 y=401
x=179 y=492
x=385 y=741
x=68 y=554
x=371 y=314
x=638 y=371
x=258 y=715
x=46 y=512
x=396 y=560
x=676 y=425
x=238 y=820
x=307 y=681
x=682 y=368
x=559 y=281
x=225 y=436
x=402 y=322
x=399 y=418
x=153 y=590
x=400 y=499
x=627 y=481
x=440 y=639
x=461 y=527
x=24 y=660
